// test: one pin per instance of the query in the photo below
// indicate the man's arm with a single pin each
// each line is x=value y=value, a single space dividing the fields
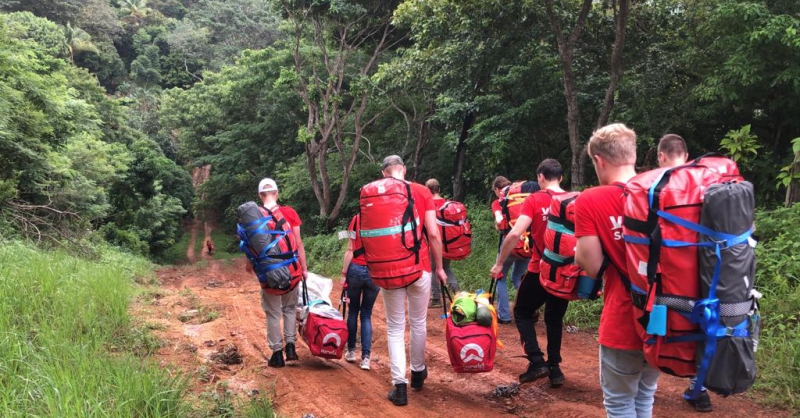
x=589 y=255
x=435 y=242
x=498 y=219
x=301 y=250
x=510 y=241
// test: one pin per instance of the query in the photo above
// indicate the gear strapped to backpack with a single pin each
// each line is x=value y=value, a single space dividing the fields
x=559 y=273
x=391 y=233
x=456 y=230
x=267 y=241
x=471 y=331
x=688 y=233
x=514 y=196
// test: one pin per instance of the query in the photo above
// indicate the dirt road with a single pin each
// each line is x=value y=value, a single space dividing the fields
x=227 y=301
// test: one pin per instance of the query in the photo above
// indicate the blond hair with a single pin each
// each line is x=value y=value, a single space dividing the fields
x=616 y=143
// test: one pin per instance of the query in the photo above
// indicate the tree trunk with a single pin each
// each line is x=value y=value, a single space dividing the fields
x=566 y=48
x=422 y=141
x=459 y=191
x=793 y=190
x=616 y=68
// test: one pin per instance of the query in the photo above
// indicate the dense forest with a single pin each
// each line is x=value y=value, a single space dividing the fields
x=107 y=104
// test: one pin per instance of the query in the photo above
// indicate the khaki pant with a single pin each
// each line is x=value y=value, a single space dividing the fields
x=273 y=306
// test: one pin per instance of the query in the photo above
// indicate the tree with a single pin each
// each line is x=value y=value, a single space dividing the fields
x=566 y=51
x=78 y=41
x=346 y=39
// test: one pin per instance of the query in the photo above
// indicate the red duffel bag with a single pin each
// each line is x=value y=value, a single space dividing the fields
x=471 y=346
x=323 y=329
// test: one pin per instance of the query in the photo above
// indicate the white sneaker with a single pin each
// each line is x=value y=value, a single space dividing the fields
x=350 y=356
x=365 y=363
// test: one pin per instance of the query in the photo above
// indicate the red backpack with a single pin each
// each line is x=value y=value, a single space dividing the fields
x=391 y=232
x=511 y=204
x=456 y=230
x=662 y=219
x=559 y=273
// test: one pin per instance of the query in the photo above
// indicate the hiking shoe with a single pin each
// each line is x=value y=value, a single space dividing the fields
x=418 y=379
x=702 y=403
x=350 y=356
x=556 y=376
x=534 y=372
x=399 y=395
x=291 y=354
x=364 y=363
x=434 y=303
x=277 y=359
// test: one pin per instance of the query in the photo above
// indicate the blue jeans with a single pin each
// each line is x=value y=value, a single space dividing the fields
x=520 y=266
x=628 y=383
x=361 y=293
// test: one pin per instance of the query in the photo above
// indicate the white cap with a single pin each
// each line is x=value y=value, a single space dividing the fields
x=267 y=185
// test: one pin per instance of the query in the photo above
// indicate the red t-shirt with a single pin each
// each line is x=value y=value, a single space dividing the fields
x=423 y=201
x=438 y=202
x=292 y=218
x=599 y=212
x=537 y=206
x=355 y=236
x=497 y=208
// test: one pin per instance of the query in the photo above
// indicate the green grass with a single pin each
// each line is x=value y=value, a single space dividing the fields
x=226 y=246
x=177 y=253
x=66 y=334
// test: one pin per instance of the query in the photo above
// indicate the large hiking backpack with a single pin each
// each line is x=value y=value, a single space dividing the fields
x=559 y=273
x=267 y=241
x=511 y=204
x=391 y=232
x=471 y=346
x=323 y=328
x=456 y=230
x=688 y=232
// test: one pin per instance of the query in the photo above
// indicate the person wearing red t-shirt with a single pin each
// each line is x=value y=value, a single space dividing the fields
x=452 y=282
x=513 y=264
x=361 y=295
x=531 y=295
x=628 y=382
x=285 y=304
x=417 y=295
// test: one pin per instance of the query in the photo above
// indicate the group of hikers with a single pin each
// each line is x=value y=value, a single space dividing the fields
x=628 y=382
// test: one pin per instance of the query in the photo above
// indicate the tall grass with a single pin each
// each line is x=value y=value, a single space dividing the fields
x=61 y=320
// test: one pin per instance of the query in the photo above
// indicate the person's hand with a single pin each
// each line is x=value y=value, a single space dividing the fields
x=305 y=274
x=248 y=267
x=497 y=271
x=441 y=275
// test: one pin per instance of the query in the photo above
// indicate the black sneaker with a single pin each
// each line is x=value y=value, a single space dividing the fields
x=534 y=372
x=291 y=354
x=702 y=403
x=277 y=359
x=399 y=395
x=556 y=376
x=418 y=379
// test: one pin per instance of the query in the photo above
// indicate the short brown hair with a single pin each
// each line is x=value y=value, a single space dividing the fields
x=500 y=182
x=616 y=143
x=433 y=186
x=672 y=146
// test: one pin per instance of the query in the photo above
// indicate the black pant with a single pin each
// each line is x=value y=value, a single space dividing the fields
x=530 y=297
